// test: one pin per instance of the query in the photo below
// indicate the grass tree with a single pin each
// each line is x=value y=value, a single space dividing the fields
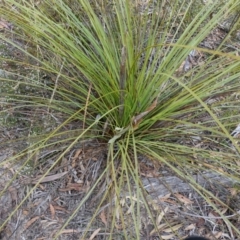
x=116 y=75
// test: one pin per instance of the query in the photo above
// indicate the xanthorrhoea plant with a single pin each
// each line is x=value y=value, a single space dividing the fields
x=113 y=70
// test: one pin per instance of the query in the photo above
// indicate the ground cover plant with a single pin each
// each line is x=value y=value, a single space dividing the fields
x=104 y=96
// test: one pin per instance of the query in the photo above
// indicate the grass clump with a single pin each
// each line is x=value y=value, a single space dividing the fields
x=110 y=81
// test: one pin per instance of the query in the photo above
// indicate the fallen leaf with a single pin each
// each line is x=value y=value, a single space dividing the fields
x=42 y=187
x=224 y=210
x=103 y=217
x=117 y=212
x=87 y=186
x=161 y=215
x=122 y=202
x=233 y=191
x=30 y=222
x=73 y=186
x=137 y=119
x=159 y=228
x=94 y=234
x=83 y=169
x=218 y=234
x=64 y=164
x=76 y=155
x=61 y=209
x=48 y=178
x=171 y=201
x=200 y=222
x=148 y=171
x=52 y=210
x=130 y=209
x=212 y=167
x=168 y=236
x=13 y=193
x=67 y=231
x=190 y=227
x=183 y=199
x=180 y=70
x=118 y=226
x=25 y=212
x=134 y=199
x=172 y=229
x=164 y=198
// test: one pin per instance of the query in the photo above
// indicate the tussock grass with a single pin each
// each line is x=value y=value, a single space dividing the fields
x=114 y=76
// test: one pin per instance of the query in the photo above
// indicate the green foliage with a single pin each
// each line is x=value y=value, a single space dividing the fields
x=113 y=73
